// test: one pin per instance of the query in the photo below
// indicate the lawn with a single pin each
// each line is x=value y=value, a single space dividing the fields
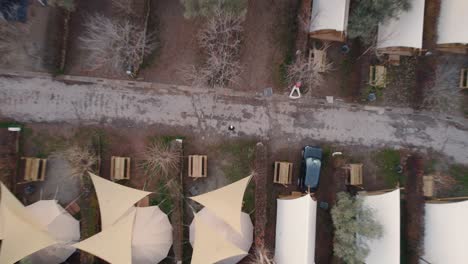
x=387 y=161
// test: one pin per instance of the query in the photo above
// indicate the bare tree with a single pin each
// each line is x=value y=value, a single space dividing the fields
x=124 y=7
x=261 y=256
x=159 y=159
x=310 y=71
x=115 y=44
x=81 y=160
x=221 y=40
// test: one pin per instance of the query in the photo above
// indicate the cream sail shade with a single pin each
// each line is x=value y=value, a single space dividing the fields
x=226 y=202
x=21 y=238
x=60 y=225
x=113 y=244
x=152 y=235
x=295 y=230
x=114 y=199
x=386 y=206
x=405 y=30
x=210 y=246
x=446 y=232
x=452 y=22
x=242 y=241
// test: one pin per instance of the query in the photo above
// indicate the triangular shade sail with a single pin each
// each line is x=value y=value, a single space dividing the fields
x=226 y=202
x=210 y=247
x=21 y=238
x=114 y=199
x=113 y=244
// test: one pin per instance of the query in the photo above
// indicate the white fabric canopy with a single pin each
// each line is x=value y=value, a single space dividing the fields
x=386 y=206
x=329 y=14
x=405 y=30
x=113 y=244
x=214 y=241
x=114 y=199
x=226 y=202
x=22 y=235
x=60 y=225
x=453 y=19
x=295 y=230
x=446 y=232
x=152 y=235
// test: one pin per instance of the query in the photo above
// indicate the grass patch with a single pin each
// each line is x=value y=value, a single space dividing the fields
x=240 y=155
x=162 y=198
x=387 y=161
x=460 y=174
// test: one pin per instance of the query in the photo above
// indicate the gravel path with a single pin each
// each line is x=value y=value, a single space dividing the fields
x=209 y=112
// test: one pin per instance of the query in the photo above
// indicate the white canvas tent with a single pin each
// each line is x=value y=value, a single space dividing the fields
x=242 y=241
x=452 y=33
x=403 y=35
x=295 y=230
x=211 y=246
x=446 y=232
x=19 y=228
x=329 y=19
x=386 y=206
x=152 y=235
x=60 y=225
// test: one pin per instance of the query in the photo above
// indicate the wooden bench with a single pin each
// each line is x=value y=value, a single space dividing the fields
x=197 y=166
x=120 y=168
x=428 y=185
x=34 y=169
x=464 y=78
x=320 y=59
x=378 y=76
x=354 y=175
x=283 y=172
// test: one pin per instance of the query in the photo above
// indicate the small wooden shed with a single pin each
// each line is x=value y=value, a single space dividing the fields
x=34 y=169
x=354 y=174
x=378 y=75
x=283 y=172
x=197 y=166
x=120 y=168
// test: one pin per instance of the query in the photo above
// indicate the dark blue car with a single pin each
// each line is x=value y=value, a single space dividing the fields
x=311 y=164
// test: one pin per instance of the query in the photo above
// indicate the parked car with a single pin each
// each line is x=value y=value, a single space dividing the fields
x=310 y=171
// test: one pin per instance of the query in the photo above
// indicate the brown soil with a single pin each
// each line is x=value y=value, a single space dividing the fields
x=9 y=155
x=178 y=43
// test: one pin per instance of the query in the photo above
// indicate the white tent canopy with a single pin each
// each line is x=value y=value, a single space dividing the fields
x=453 y=19
x=405 y=30
x=19 y=228
x=329 y=15
x=386 y=206
x=226 y=202
x=60 y=225
x=214 y=241
x=295 y=230
x=446 y=232
x=114 y=199
x=152 y=235
x=113 y=244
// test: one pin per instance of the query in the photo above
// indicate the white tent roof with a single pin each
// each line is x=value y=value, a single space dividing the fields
x=152 y=235
x=295 y=230
x=226 y=202
x=243 y=241
x=446 y=232
x=210 y=246
x=61 y=225
x=113 y=244
x=329 y=14
x=19 y=228
x=386 y=206
x=406 y=30
x=114 y=199
x=452 y=22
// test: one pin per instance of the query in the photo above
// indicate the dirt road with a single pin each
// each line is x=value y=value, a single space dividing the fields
x=209 y=112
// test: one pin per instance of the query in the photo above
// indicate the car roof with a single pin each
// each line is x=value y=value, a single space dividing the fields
x=312 y=172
